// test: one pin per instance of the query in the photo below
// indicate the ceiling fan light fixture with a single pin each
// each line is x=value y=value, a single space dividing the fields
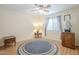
x=43 y=6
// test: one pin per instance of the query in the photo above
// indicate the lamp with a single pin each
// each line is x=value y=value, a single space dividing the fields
x=37 y=27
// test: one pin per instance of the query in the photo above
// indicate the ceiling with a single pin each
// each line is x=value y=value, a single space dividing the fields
x=54 y=7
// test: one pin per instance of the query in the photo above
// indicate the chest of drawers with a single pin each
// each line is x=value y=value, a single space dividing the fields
x=68 y=39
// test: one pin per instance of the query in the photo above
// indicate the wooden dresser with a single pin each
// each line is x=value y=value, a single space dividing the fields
x=68 y=39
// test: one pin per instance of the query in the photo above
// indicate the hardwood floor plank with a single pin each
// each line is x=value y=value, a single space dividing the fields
x=61 y=49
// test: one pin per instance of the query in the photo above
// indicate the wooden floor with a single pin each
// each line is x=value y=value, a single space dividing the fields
x=61 y=50
x=66 y=51
x=8 y=51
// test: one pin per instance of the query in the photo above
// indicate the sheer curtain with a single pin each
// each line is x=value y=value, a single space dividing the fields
x=53 y=24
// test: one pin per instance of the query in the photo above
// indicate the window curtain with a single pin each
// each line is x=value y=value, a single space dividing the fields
x=59 y=22
x=46 y=24
x=53 y=24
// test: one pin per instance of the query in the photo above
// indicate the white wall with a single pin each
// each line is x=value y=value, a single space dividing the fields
x=74 y=20
x=20 y=23
x=17 y=23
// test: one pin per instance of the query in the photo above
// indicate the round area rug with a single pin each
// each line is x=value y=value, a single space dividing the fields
x=37 y=47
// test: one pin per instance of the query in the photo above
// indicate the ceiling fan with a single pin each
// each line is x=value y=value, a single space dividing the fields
x=41 y=8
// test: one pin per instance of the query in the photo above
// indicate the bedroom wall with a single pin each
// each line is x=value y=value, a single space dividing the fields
x=20 y=23
x=17 y=23
x=74 y=21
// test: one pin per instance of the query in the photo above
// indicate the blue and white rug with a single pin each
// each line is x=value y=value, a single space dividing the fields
x=37 y=47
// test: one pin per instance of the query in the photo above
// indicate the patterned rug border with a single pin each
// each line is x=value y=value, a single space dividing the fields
x=36 y=40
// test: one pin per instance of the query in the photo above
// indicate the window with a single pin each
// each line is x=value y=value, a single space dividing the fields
x=49 y=25
x=53 y=24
